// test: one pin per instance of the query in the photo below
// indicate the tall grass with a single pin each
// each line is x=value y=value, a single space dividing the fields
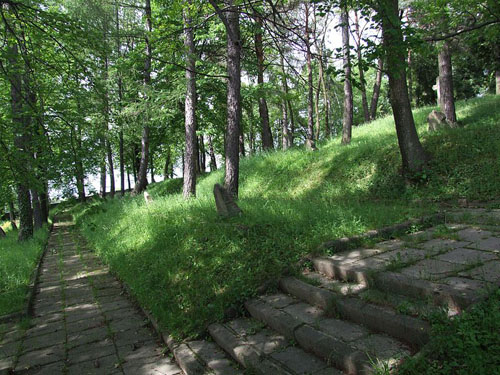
x=187 y=265
x=17 y=262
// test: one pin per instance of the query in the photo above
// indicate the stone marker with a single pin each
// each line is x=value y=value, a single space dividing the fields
x=310 y=145
x=436 y=120
x=224 y=202
x=147 y=198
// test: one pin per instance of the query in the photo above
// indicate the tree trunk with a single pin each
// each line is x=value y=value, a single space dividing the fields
x=202 y=154
x=103 y=169
x=12 y=215
x=410 y=78
x=213 y=160
x=44 y=203
x=128 y=180
x=80 y=181
x=142 y=180
x=284 y=110
x=362 y=83
x=376 y=89
x=230 y=18
x=310 y=120
x=37 y=210
x=348 y=105
x=446 y=84
x=111 y=169
x=21 y=143
x=189 y=188
x=267 y=138
x=497 y=78
x=412 y=153
x=251 y=133
x=120 y=100
x=151 y=167
x=166 y=168
x=316 y=108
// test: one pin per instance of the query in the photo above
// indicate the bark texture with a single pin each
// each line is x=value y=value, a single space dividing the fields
x=190 y=155
x=412 y=153
x=348 y=106
x=267 y=138
x=310 y=119
x=447 y=101
x=376 y=89
x=142 y=180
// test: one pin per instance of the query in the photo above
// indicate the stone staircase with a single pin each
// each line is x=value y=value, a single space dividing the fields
x=364 y=310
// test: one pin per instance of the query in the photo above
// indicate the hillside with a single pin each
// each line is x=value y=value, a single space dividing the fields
x=188 y=266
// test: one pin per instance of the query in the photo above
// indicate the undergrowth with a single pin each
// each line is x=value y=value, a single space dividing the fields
x=467 y=344
x=17 y=262
x=187 y=265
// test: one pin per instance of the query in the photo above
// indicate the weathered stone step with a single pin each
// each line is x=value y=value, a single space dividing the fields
x=377 y=318
x=264 y=351
x=349 y=346
x=337 y=286
x=202 y=357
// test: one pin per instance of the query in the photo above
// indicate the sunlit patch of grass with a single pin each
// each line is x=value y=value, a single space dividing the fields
x=187 y=265
x=17 y=262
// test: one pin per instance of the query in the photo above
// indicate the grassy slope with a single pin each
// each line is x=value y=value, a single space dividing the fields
x=187 y=265
x=17 y=261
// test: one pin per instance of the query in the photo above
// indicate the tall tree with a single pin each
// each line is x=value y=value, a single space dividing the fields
x=189 y=188
x=267 y=138
x=447 y=100
x=142 y=180
x=231 y=20
x=348 y=98
x=413 y=155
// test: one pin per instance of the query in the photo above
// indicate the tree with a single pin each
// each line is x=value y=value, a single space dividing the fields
x=230 y=19
x=189 y=188
x=348 y=99
x=413 y=155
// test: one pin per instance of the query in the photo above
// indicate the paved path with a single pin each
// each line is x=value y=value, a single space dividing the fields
x=83 y=324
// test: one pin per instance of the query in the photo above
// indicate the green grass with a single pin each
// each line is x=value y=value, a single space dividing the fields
x=467 y=344
x=187 y=265
x=17 y=262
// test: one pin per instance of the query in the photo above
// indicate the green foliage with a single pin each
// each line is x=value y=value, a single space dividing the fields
x=17 y=261
x=186 y=264
x=466 y=344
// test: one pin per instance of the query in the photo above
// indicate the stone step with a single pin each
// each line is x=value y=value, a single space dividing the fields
x=263 y=351
x=377 y=318
x=348 y=346
x=337 y=286
x=202 y=357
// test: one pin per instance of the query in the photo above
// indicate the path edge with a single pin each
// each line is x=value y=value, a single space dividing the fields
x=30 y=294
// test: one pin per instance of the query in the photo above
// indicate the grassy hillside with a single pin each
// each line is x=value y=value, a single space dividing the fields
x=187 y=265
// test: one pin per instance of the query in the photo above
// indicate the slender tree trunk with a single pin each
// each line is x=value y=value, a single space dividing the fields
x=103 y=169
x=189 y=189
x=316 y=108
x=151 y=167
x=446 y=84
x=267 y=138
x=21 y=143
x=310 y=120
x=230 y=18
x=412 y=153
x=122 y=163
x=44 y=203
x=166 y=168
x=202 y=154
x=12 y=215
x=348 y=105
x=497 y=79
x=284 y=109
x=376 y=89
x=251 y=133
x=128 y=180
x=111 y=169
x=410 y=78
x=120 y=100
x=325 y=95
x=241 y=141
x=213 y=160
x=80 y=181
x=37 y=210
x=362 y=83
x=142 y=181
